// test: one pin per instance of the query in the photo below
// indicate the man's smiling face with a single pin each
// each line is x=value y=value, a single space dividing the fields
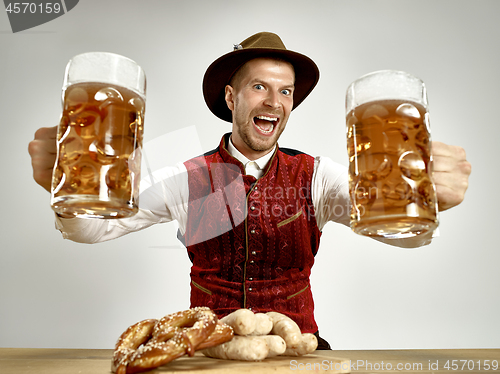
x=261 y=99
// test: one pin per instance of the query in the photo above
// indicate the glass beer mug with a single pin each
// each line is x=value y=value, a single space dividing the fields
x=388 y=143
x=99 y=139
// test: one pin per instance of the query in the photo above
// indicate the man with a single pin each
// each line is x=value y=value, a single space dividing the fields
x=251 y=213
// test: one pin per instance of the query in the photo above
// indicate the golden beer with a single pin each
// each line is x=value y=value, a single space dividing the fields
x=99 y=142
x=392 y=193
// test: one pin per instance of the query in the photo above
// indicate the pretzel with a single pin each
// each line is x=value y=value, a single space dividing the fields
x=151 y=343
x=129 y=341
x=222 y=333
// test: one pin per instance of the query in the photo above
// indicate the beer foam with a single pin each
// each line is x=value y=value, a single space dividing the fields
x=385 y=85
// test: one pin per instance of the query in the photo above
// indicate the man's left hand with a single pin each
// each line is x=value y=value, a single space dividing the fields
x=451 y=172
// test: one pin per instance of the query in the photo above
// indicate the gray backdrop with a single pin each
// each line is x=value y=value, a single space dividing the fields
x=56 y=293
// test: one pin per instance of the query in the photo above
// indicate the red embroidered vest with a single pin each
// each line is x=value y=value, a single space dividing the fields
x=252 y=242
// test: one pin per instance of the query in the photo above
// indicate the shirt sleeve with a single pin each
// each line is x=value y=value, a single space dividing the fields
x=330 y=195
x=163 y=198
x=330 y=192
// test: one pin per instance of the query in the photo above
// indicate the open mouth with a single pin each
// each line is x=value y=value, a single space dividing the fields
x=265 y=124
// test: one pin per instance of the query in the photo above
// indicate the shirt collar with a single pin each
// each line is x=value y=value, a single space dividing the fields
x=261 y=162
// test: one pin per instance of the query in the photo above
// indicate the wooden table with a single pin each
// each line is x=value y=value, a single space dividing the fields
x=97 y=361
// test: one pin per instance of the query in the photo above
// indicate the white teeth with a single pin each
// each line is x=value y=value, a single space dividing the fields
x=271 y=119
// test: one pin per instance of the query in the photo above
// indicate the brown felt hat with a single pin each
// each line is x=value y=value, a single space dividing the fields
x=263 y=44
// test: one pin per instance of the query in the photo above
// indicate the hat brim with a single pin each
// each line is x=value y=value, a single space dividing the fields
x=221 y=70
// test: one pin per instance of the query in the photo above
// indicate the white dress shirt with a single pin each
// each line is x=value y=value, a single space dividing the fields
x=164 y=197
x=254 y=168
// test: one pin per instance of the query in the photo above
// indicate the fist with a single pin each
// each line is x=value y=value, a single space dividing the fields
x=43 y=152
x=451 y=172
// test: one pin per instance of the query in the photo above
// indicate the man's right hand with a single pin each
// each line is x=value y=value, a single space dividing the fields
x=43 y=152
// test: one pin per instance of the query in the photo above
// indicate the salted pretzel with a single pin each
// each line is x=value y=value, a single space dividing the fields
x=222 y=333
x=151 y=343
x=129 y=341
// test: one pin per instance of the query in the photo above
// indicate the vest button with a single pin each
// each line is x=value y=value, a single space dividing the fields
x=252 y=262
x=250 y=289
x=252 y=231
x=252 y=208
x=250 y=279
x=254 y=253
